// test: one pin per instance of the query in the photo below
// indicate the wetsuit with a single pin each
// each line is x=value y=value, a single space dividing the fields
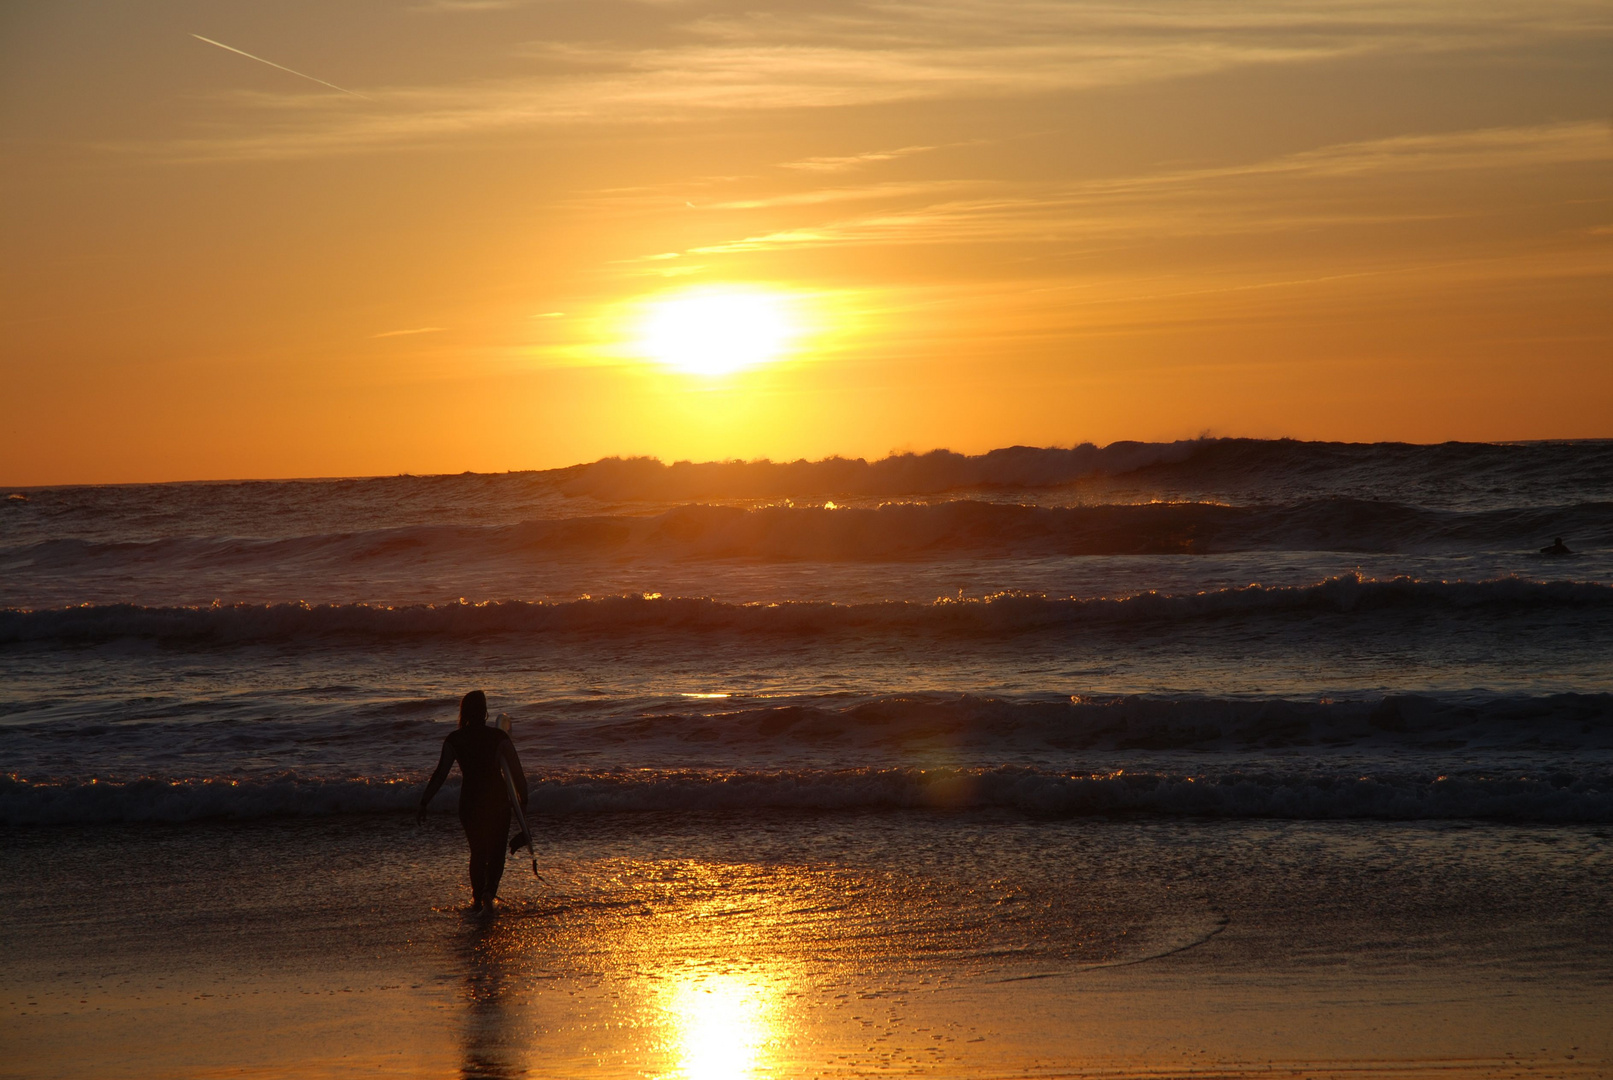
x=484 y=808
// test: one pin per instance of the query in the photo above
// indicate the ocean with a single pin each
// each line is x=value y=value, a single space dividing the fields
x=930 y=723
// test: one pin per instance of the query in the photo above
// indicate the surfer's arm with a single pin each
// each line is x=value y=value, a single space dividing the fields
x=440 y=777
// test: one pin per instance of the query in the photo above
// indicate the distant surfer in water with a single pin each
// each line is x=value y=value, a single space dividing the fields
x=484 y=808
x=1556 y=547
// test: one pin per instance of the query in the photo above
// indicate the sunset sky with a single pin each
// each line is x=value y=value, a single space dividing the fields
x=479 y=234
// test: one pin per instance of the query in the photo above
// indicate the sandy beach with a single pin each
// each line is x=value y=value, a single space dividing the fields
x=813 y=945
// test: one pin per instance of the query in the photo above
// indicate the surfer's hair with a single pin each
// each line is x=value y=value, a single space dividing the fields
x=473 y=709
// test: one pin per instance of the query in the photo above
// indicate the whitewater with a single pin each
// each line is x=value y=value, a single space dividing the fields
x=1208 y=629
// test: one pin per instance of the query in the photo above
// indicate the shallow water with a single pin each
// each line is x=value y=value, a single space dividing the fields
x=723 y=945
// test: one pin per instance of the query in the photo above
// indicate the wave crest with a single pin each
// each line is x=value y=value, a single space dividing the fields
x=910 y=532
x=1561 y=797
x=1002 y=614
x=1561 y=471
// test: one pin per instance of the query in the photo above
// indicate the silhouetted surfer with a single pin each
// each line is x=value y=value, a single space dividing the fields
x=1556 y=547
x=484 y=808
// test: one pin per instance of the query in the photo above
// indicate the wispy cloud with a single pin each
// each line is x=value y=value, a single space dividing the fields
x=1279 y=193
x=853 y=161
x=416 y=330
x=856 y=193
x=692 y=63
x=452 y=6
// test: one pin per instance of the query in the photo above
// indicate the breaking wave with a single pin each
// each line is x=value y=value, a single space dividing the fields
x=1003 y=614
x=1584 y=796
x=937 y=472
x=1576 y=469
x=890 y=532
x=981 y=726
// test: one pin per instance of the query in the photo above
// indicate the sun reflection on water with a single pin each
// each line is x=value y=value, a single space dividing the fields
x=722 y=1025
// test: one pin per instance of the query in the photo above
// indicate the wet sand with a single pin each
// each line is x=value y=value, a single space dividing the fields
x=805 y=945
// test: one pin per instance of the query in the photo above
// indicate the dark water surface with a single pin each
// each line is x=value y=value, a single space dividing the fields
x=1222 y=627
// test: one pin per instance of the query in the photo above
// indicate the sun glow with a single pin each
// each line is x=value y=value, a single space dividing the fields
x=722 y=1026
x=717 y=330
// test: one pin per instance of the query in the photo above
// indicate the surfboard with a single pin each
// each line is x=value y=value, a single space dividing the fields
x=524 y=837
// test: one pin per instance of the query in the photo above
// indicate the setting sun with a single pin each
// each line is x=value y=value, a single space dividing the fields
x=714 y=331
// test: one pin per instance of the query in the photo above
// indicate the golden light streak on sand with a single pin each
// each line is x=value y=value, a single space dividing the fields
x=723 y=1024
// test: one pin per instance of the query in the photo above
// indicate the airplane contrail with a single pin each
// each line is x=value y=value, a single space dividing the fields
x=282 y=67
